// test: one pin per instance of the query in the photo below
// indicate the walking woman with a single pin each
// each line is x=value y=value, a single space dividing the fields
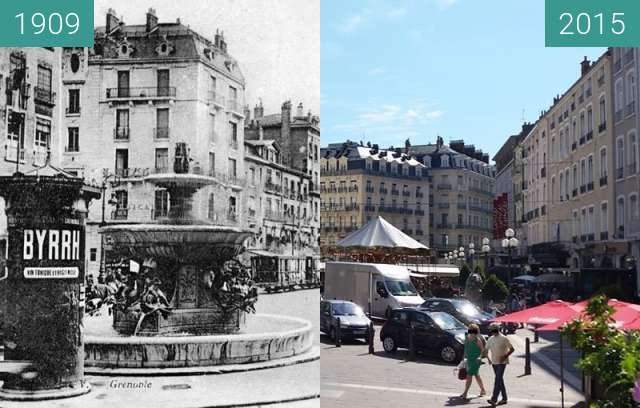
x=473 y=348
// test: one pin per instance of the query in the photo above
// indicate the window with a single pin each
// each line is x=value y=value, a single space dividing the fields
x=211 y=209
x=74 y=101
x=162 y=160
x=234 y=134
x=632 y=148
x=444 y=161
x=162 y=123
x=41 y=141
x=619 y=99
x=73 y=141
x=233 y=98
x=620 y=156
x=122 y=124
x=631 y=87
x=603 y=111
x=232 y=207
x=583 y=128
x=604 y=218
x=634 y=211
x=590 y=169
x=603 y=162
x=123 y=84
x=589 y=119
x=620 y=216
x=232 y=169
x=43 y=91
x=161 y=207
x=93 y=254
x=163 y=82
x=122 y=205
x=122 y=162
x=561 y=186
x=212 y=164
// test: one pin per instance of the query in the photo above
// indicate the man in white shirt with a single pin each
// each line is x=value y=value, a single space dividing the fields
x=497 y=350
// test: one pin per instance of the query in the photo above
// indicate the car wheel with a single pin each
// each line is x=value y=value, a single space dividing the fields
x=448 y=354
x=389 y=344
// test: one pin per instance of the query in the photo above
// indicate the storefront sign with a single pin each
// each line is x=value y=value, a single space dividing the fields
x=52 y=273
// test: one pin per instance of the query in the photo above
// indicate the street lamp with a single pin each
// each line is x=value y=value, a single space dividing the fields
x=461 y=256
x=510 y=242
x=472 y=252
x=485 y=250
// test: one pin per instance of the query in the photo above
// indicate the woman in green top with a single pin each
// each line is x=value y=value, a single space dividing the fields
x=473 y=347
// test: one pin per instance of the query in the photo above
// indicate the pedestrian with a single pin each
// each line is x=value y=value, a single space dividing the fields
x=497 y=350
x=473 y=348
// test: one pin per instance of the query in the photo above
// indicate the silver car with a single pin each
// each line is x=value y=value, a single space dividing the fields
x=353 y=322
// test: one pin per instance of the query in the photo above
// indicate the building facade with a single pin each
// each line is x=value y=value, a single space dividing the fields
x=30 y=120
x=461 y=184
x=361 y=182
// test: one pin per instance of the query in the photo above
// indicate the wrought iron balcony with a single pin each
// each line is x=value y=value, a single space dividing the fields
x=603 y=180
x=583 y=189
x=161 y=133
x=619 y=173
x=121 y=133
x=74 y=110
x=589 y=135
x=45 y=95
x=602 y=127
x=630 y=109
x=619 y=115
x=149 y=92
x=119 y=214
x=369 y=189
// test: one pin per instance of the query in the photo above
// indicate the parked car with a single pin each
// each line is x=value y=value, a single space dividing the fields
x=436 y=333
x=353 y=322
x=461 y=309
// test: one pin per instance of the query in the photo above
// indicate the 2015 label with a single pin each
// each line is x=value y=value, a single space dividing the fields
x=582 y=23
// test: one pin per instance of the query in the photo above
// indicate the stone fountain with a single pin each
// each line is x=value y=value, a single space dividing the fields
x=208 y=293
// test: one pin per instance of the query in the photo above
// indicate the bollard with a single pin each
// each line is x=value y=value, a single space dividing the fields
x=527 y=357
x=372 y=335
x=412 y=343
x=338 y=333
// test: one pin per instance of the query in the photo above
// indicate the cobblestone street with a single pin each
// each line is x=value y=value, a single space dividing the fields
x=352 y=378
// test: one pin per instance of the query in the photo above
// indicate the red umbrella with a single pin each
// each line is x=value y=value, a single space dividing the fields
x=625 y=313
x=556 y=311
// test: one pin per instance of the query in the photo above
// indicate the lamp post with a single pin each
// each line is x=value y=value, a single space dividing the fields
x=509 y=243
x=472 y=252
x=485 y=250
x=112 y=201
x=461 y=256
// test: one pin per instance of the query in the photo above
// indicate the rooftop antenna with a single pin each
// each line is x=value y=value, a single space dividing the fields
x=522 y=115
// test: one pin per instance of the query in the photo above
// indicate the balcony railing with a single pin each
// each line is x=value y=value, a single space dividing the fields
x=369 y=189
x=45 y=95
x=603 y=180
x=630 y=109
x=619 y=115
x=443 y=206
x=119 y=214
x=406 y=194
x=419 y=195
x=582 y=140
x=383 y=191
x=369 y=208
x=631 y=169
x=11 y=151
x=602 y=127
x=75 y=110
x=589 y=135
x=121 y=133
x=141 y=92
x=395 y=192
x=590 y=186
x=574 y=146
x=161 y=133
x=619 y=173
x=604 y=236
x=419 y=212
x=574 y=192
x=444 y=186
x=462 y=206
x=583 y=189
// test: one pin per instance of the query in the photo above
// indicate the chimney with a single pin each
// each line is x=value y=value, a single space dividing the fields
x=285 y=133
x=247 y=115
x=260 y=133
x=585 y=65
x=216 y=39
x=152 y=19
x=258 y=111
x=112 y=20
x=300 y=110
x=223 y=43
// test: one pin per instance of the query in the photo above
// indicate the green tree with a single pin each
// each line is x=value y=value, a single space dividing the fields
x=610 y=356
x=494 y=289
x=465 y=271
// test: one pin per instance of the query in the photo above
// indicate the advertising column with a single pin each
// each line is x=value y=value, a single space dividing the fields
x=44 y=289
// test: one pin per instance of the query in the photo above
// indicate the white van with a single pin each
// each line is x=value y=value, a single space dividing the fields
x=377 y=288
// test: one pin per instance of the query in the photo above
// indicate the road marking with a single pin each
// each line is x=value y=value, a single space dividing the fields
x=545 y=403
x=333 y=394
x=569 y=378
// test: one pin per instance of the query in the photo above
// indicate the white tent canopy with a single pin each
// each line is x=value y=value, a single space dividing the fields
x=380 y=233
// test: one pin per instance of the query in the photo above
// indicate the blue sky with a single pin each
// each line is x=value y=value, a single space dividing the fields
x=461 y=69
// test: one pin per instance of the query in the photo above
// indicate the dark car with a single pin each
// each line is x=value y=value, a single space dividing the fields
x=436 y=333
x=353 y=322
x=461 y=309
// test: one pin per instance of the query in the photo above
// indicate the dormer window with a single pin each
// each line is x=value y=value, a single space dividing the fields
x=427 y=161
x=444 y=161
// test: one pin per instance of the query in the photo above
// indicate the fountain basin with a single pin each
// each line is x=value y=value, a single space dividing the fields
x=264 y=338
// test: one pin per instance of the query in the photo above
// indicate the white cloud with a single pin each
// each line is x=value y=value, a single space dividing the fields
x=397 y=13
x=353 y=22
x=446 y=3
x=377 y=71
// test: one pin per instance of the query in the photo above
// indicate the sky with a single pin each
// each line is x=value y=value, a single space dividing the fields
x=276 y=42
x=461 y=69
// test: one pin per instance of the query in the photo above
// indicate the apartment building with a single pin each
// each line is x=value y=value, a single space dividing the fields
x=142 y=96
x=282 y=205
x=461 y=183
x=360 y=182
x=29 y=124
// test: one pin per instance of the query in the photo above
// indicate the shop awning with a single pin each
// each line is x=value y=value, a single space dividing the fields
x=433 y=270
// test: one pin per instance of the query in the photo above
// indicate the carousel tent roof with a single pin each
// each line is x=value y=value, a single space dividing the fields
x=380 y=233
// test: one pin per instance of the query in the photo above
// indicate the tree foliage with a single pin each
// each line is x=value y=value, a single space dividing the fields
x=465 y=271
x=494 y=289
x=609 y=355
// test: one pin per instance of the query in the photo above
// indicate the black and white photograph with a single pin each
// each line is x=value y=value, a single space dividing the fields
x=159 y=211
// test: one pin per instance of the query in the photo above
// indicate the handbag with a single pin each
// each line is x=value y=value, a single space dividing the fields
x=462 y=370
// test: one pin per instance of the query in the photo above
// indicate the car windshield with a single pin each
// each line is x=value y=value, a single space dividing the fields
x=467 y=308
x=446 y=321
x=400 y=288
x=347 y=309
